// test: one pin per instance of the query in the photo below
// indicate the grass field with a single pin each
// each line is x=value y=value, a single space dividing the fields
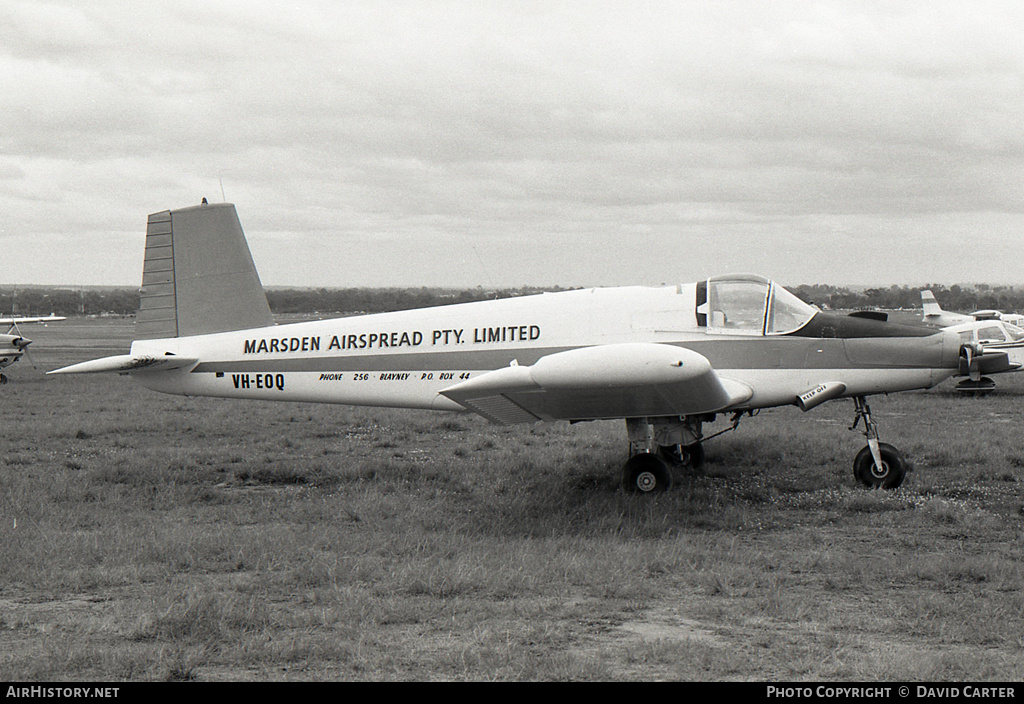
x=149 y=537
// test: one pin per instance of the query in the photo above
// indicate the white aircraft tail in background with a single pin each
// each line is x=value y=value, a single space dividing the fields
x=933 y=314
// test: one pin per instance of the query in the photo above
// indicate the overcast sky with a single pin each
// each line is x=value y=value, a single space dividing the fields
x=520 y=143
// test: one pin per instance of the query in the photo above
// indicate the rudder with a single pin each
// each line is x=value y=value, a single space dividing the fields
x=198 y=276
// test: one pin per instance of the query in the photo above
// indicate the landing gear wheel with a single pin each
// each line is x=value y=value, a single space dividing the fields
x=691 y=456
x=3 y=379
x=889 y=476
x=646 y=473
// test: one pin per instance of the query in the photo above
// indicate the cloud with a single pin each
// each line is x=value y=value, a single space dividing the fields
x=554 y=143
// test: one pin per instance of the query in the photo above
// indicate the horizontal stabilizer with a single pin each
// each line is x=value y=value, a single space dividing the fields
x=605 y=381
x=124 y=363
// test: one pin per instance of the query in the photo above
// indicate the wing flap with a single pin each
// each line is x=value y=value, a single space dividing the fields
x=605 y=381
x=501 y=410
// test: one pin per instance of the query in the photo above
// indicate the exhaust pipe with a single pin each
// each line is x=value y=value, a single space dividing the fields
x=819 y=394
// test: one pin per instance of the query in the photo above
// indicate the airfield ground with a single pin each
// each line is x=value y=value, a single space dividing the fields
x=149 y=537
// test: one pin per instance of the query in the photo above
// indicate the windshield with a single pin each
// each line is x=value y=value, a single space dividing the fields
x=1015 y=332
x=787 y=312
x=752 y=305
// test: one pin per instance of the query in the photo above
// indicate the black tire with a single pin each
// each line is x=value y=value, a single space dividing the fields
x=889 y=476
x=646 y=473
x=691 y=456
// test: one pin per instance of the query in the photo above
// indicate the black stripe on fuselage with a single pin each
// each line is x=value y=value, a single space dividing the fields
x=833 y=325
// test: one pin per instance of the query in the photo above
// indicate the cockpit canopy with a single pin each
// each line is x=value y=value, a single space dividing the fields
x=990 y=332
x=747 y=304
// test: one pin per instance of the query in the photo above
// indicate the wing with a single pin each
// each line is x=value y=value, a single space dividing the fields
x=17 y=320
x=606 y=381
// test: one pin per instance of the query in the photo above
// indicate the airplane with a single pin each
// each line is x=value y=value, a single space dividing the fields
x=932 y=314
x=989 y=330
x=13 y=346
x=665 y=359
x=990 y=336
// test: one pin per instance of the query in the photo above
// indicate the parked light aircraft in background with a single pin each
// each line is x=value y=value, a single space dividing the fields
x=990 y=337
x=991 y=331
x=13 y=346
x=665 y=359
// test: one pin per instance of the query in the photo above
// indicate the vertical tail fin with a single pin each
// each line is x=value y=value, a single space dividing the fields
x=198 y=276
x=929 y=304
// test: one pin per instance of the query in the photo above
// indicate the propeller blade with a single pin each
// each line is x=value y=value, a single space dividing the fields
x=21 y=342
x=970 y=360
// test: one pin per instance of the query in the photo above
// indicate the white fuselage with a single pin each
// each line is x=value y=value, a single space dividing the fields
x=406 y=358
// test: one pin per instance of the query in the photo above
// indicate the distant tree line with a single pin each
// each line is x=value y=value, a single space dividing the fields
x=380 y=300
x=955 y=298
x=45 y=300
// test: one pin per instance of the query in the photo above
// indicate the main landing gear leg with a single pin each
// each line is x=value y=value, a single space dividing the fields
x=879 y=465
x=678 y=441
x=644 y=472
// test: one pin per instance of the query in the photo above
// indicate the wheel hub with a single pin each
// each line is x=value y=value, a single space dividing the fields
x=879 y=472
x=646 y=481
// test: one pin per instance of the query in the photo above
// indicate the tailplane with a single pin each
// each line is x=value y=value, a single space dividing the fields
x=198 y=276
